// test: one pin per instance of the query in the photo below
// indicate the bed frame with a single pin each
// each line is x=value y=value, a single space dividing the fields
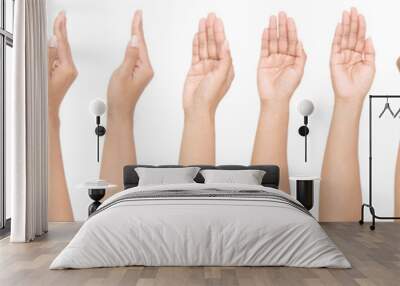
x=270 y=179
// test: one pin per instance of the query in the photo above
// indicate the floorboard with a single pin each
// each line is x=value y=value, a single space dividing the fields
x=375 y=257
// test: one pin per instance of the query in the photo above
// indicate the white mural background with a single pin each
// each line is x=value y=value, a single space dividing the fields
x=99 y=31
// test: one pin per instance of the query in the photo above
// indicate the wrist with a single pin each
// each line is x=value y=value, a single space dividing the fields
x=53 y=117
x=347 y=110
x=202 y=110
x=199 y=115
x=276 y=106
x=351 y=101
x=53 y=113
x=119 y=117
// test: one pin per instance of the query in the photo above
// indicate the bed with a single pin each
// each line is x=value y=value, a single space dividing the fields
x=201 y=224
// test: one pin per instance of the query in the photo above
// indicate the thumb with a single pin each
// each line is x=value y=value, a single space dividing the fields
x=225 y=61
x=131 y=54
x=301 y=56
x=369 y=52
x=51 y=53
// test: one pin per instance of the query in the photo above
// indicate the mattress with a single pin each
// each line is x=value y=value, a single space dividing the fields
x=201 y=225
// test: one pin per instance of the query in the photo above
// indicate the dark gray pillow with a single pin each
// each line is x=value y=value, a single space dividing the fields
x=166 y=176
x=248 y=177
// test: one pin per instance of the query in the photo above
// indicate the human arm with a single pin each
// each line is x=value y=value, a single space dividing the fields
x=208 y=80
x=352 y=66
x=61 y=74
x=126 y=85
x=280 y=70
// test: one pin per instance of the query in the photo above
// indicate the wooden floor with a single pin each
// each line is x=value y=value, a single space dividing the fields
x=375 y=257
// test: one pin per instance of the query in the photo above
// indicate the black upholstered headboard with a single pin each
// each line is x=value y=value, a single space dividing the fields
x=270 y=179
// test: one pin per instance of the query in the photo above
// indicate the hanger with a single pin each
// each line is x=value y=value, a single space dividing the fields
x=387 y=107
x=397 y=113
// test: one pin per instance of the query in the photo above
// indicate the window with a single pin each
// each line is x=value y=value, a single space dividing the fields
x=6 y=44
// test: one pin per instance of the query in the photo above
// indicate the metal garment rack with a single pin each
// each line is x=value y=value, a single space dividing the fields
x=370 y=204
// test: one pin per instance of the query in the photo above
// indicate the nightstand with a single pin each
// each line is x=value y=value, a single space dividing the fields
x=96 y=190
x=305 y=191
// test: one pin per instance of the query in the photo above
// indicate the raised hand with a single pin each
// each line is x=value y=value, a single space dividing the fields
x=130 y=79
x=208 y=80
x=61 y=74
x=61 y=68
x=352 y=72
x=280 y=70
x=352 y=58
x=282 y=60
x=211 y=72
x=126 y=85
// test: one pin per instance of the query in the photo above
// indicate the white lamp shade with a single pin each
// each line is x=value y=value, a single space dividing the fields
x=97 y=107
x=305 y=107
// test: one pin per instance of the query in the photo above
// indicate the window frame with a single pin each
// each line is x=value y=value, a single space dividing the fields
x=6 y=39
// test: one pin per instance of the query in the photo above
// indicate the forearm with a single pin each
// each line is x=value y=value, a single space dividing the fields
x=340 y=179
x=270 y=144
x=198 y=139
x=59 y=205
x=119 y=149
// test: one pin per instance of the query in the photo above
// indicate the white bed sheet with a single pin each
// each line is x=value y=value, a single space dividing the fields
x=200 y=231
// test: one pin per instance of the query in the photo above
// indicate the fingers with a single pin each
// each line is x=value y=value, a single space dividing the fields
x=283 y=34
x=219 y=34
x=346 y=30
x=131 y=55
x=280 y=37
x=362 y=27
x=369 y=52
x=337 y=39
x=353 y=29
x=60 y=31
x=211 y=42
x=137 y=30
x=292 y=36
x=273 y=35
x=203 y=39
x=195 y=50
x=265 y=43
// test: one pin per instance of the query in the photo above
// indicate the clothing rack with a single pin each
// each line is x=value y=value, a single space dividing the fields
x=370 y=203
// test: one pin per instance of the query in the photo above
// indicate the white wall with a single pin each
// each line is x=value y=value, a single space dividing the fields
x=99 y=31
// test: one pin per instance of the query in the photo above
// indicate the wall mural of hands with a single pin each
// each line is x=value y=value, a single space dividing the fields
x=211 y=72
x=352 y=61
x=130 y=79
x=282 y=60
x=208 y=80
x=61 y=68
x=126 y=85
x=61 y=74
x=280 y=70
x=352 y=72
x=279 y=73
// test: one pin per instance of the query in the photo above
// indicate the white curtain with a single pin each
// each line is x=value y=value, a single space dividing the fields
x=28 y=121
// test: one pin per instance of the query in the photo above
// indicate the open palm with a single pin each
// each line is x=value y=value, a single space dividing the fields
x=282 y=59
x=211 y=72
x=352 y=58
